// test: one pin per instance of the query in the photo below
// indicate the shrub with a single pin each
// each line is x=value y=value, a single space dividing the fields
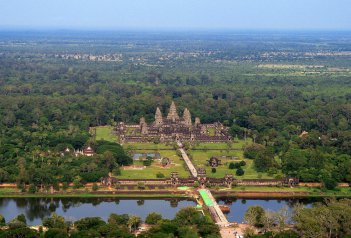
x=95 y=187
x=56 y=186
x=252 y=151
x=2 y=220
x=242 y=163
x=153 y=218
x=160 y=175
x=141 y=185
x=234 y=165
x=116 y=171
x=240 y=172
x=32 y=188
x=65 y=186
x=329 y=183
x=77 y=182
x=147 y=162
x=213 y=170
x=88 y=223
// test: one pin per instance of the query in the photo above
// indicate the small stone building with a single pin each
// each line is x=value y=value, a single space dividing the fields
x=214 y=162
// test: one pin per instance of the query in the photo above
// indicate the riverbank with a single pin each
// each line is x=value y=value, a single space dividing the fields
x=239 y=192
x=281 y=192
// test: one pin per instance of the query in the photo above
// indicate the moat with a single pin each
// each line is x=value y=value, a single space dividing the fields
x=35 y=209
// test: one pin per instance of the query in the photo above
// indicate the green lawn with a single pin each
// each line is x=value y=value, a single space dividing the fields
x=200 y=160
x=104 y=133
x=150 y=171
x=147 y=146
x=315 y=192
x=8 y=190
x=236 y=145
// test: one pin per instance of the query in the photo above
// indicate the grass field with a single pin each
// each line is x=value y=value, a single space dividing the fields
x=104 y=133
x=147 y=146
x=200 y=160
x=204 y=151
x=150 y=171
x=236 y=145
x=313 y=191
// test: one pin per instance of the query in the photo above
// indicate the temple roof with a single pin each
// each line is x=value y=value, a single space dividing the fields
x=172 y=114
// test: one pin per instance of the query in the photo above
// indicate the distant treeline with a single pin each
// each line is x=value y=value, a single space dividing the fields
x=48 y=103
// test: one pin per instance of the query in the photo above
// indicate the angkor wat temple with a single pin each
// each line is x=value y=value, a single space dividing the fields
x=172 y=128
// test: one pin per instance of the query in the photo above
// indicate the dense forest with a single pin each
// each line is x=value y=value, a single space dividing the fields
x=271 y=87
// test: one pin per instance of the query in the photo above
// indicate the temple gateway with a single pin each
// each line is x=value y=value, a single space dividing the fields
x=172 y=128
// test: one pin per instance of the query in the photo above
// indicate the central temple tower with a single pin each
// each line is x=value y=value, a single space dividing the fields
x=172 y=114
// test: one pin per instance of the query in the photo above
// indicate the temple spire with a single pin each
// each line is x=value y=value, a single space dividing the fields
x=172 y=114
x=158 y=117
x=187 y=117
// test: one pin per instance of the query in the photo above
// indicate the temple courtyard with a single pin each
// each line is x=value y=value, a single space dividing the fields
x=199 y=152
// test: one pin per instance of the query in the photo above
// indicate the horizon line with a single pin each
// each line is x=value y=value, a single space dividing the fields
x=167 y=29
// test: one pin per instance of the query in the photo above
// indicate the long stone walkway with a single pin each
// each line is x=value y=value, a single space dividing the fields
x=214 y=208
x=210 y=201
x=188 y=162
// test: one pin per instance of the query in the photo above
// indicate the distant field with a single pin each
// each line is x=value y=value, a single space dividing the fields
x=290 y=66
x=104 y=133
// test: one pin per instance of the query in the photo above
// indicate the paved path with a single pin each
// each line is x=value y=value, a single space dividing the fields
x=210 y=202
x=214 y=208
x=229 y=232
x=188 y=162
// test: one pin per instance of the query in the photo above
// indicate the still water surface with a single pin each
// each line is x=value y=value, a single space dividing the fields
x=238 y=207
x=35 y=209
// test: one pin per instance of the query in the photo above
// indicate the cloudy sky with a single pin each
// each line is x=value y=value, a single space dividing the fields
x=177 y=14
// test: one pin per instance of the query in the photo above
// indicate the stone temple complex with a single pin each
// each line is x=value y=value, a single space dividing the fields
x=172 y=128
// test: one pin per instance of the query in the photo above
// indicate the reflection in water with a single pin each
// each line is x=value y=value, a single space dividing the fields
x=238 y=207
x=35 y=209
x=174 y=202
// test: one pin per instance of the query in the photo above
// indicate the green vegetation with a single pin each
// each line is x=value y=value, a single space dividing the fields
x=200 y=158
x=52 y=94
x=332 y=218
x=187 y=221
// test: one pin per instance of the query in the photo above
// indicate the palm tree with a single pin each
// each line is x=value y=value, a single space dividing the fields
x=254 y=137
x=133 y=222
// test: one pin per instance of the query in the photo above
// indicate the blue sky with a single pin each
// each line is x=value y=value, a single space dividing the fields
x=177 y=14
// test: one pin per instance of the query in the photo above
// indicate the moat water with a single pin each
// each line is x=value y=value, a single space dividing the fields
x=35 y=209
